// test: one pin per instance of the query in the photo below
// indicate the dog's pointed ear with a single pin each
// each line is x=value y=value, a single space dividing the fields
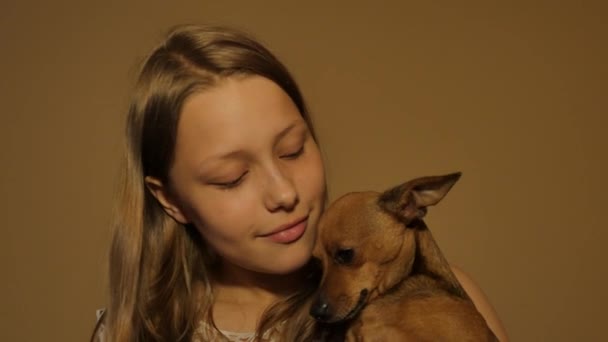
x=409 y=201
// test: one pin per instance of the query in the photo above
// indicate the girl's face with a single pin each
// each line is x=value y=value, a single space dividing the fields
x=248 y=174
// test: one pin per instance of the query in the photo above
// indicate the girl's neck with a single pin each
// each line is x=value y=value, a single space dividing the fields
x=241 y=296
x=237 y=285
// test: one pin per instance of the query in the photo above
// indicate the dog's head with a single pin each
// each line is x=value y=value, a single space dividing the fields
x=366 y=243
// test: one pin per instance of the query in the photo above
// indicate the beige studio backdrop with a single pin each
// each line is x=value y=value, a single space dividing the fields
x=511 y=94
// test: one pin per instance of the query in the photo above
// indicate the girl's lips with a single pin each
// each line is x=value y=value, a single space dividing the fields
x=289 y=234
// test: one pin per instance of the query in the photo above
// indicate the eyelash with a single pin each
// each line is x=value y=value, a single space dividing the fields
x=237 y=182
x=232 y=184
x=294 y=155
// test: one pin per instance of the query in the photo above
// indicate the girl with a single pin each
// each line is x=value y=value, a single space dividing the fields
x=221 y=191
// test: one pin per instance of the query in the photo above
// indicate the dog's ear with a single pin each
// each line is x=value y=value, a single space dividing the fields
x=409 y=201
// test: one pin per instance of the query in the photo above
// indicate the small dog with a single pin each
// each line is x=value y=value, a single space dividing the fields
x=383 y=273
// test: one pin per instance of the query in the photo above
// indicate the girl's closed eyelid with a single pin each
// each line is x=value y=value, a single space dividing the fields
x=298 y=149
x=230 y=184
x=294 y=154
x=291 y=153
x=236 y=182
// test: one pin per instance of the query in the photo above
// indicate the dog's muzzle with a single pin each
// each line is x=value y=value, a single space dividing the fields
x=323 y=312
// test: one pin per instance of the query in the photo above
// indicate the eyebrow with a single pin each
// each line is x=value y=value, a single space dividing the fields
x=242 y=153
x=286 y=130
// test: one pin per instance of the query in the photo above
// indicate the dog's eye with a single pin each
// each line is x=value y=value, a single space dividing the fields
x=344 y=256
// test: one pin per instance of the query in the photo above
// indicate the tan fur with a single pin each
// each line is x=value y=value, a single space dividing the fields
x=410 y=292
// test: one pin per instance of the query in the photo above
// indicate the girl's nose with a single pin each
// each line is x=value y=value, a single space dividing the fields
x=280 y=192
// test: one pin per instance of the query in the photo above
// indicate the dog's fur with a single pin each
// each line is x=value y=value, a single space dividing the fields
x=394 y=284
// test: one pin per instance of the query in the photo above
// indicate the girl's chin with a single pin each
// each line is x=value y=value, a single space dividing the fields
x=287 y=266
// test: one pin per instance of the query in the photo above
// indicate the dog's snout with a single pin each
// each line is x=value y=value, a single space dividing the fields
x=320 y=309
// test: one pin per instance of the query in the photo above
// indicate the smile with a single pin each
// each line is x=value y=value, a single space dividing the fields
x=288 y=233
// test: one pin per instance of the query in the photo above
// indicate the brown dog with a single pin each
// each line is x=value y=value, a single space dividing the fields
x=383 y=271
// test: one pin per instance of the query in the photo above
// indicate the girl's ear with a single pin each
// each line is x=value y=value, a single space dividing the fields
x=161 y=193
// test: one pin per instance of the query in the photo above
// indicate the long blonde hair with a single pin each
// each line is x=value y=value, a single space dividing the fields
x=159 y=270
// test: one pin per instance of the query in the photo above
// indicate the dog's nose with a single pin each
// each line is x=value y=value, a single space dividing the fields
x=320 y=309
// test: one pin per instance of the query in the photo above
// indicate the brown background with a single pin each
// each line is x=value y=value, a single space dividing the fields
x=513 y=95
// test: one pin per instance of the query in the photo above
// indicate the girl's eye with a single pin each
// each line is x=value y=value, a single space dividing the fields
x=295 y=154
x=231 y=184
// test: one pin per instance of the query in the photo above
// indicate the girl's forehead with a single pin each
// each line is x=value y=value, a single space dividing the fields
x=234 y=114
x=251 y=100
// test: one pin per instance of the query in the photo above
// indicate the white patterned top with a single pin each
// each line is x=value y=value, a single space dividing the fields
x=204 y=330
x=269 y=335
